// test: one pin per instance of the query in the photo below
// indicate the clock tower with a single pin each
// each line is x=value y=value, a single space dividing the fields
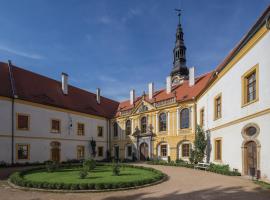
x=180 y=71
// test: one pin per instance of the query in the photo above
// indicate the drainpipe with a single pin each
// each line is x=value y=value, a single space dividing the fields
x=14 y=96
x=108 y=138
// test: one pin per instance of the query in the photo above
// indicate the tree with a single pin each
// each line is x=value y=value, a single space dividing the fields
x=200 y=144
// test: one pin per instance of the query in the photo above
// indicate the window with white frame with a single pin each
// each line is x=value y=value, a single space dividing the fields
x=163 y=122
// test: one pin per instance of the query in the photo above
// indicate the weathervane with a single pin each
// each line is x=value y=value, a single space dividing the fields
x=179 y=14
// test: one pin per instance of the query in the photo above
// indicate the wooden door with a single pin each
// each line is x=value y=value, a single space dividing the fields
x=250 y=158
x=144 y=151
x=55 y=154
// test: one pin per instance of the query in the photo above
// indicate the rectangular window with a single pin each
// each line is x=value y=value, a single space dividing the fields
x=250 y=86
x=163 y=150
x=202 y=117
x=55 y=126
x=100 y=151
x=80 y=129
x=185 y=150
x=23 y=151
x=23 y=122
x=218 y=149
x=218 y=107
x=80 y=152
x=129 y=151
x=100 y=131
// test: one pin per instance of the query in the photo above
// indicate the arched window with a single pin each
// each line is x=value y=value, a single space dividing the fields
x=115 y=129
x=128 y=127
x=186 y=149
x=143 y=125
x=181 y=36
x=162 y=122
x=184 y=118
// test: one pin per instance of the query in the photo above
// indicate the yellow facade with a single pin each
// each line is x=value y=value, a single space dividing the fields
x=173 y=136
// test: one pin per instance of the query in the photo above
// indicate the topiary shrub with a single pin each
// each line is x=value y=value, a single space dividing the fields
x=89 y=164
x=83 y=186
x=83 y=173
x=51 y=166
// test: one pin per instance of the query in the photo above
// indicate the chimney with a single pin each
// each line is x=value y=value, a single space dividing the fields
x=132 y=97
x=64 y=83
x=169 y=84
x=191 y=76
x=98 y=95
x=151 y=90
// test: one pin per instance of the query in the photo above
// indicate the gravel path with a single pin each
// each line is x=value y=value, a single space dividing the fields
x=183 y=183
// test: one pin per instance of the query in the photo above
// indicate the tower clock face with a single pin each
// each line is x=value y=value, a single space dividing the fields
x=176 y=81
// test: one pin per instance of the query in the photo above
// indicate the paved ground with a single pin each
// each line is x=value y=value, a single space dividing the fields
x=182 y=184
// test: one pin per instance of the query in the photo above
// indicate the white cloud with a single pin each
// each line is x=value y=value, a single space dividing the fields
x=131 y=14
x=105 y=78
x=105 y=20
x=21 y=53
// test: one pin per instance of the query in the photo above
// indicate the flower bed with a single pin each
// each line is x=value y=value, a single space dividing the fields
x=101 y=178
x=219 y=169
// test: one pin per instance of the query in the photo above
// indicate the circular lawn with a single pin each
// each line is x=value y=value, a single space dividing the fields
x=100 y=178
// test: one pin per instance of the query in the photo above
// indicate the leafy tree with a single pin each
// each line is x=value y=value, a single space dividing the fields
x=200 y=144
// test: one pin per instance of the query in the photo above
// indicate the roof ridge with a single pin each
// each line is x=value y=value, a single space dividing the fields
x=57 y=81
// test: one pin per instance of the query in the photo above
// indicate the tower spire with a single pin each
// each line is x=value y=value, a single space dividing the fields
x=179 y=16
x=180 y=70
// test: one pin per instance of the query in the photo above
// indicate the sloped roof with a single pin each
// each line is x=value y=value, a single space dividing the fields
x=5 y=86
x=182 y=92
x=43 y=90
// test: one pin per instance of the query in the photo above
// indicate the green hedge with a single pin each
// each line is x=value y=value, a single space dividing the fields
x=219 y=169
x=17 y=178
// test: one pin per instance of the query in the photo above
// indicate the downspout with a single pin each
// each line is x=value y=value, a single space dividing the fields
x=108 y=138
x=14 y=96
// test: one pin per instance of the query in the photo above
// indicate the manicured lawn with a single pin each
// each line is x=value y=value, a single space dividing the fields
x=101 y=174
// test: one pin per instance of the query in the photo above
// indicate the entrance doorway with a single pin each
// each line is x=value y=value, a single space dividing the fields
x=250 y=158
x=144 y=151
x=55 y=151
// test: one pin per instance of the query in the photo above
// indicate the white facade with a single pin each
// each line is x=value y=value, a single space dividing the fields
x=39 y=135
x=235 y=116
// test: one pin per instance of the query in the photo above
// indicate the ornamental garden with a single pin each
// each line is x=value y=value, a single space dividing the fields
x=87 y=176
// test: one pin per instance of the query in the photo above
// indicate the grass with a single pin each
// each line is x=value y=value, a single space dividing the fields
x=101 y=174
x=264 y=185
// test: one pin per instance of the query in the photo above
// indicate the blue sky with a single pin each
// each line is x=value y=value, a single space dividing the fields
x=118 y=45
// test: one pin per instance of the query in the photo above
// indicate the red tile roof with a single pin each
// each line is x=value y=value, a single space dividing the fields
x=182 y=93
x=43 y=90
x=5 y=86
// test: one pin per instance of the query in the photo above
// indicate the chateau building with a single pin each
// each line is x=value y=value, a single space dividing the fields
x=44 y=119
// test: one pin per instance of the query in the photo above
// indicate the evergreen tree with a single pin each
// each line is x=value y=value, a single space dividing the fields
x=200 y=144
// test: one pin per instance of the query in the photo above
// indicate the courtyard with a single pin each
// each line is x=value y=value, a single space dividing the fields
x=183 y=183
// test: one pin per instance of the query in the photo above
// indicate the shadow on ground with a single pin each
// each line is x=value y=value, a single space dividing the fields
x=216 y=193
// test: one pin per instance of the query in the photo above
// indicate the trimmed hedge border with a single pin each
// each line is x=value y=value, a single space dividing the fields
x=218 y=169
x=16 y=180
